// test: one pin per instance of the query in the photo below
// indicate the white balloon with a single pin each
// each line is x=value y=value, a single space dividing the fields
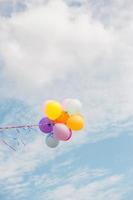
x=51 y=142
x=72 y=106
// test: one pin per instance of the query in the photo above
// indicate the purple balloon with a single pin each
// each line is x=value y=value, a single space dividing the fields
x=46 y=125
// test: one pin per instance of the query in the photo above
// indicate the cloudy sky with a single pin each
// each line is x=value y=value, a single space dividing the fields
x=55 y=49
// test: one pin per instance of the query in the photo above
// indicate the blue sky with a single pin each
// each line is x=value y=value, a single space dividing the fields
x=55 y=50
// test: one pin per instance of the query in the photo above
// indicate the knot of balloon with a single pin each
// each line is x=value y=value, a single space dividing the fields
x=60 y=120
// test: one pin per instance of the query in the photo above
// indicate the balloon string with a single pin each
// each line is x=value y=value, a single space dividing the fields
x=17 y=130
x=15 y=127
x=8 y=145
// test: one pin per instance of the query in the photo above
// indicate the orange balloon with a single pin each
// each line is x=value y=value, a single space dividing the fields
x=63 y=118
x=75 y=122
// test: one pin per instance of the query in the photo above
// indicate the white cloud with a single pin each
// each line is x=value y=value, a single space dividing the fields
x=42 y=43
x=109 y=187
x=77 y=183
x=52 y=41
x=14 y=166
x=46 y=44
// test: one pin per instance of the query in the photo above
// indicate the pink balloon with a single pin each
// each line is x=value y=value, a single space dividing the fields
x=69 y=135
x=61 y=132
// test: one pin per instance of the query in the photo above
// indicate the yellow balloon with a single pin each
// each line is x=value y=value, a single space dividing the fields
x=53 y=109
x=75 y=122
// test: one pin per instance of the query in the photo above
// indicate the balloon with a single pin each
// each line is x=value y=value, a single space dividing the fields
x=63 y=118
x=72 y=106
x=51 y=142
x=61 y=132
x=46 y=125
x=75 y=122
x=69 y=135
x=53 y=109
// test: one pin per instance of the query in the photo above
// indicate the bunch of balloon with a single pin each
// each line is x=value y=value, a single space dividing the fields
x=61 y=119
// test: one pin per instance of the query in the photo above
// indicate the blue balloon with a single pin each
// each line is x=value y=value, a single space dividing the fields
x=51 y=142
